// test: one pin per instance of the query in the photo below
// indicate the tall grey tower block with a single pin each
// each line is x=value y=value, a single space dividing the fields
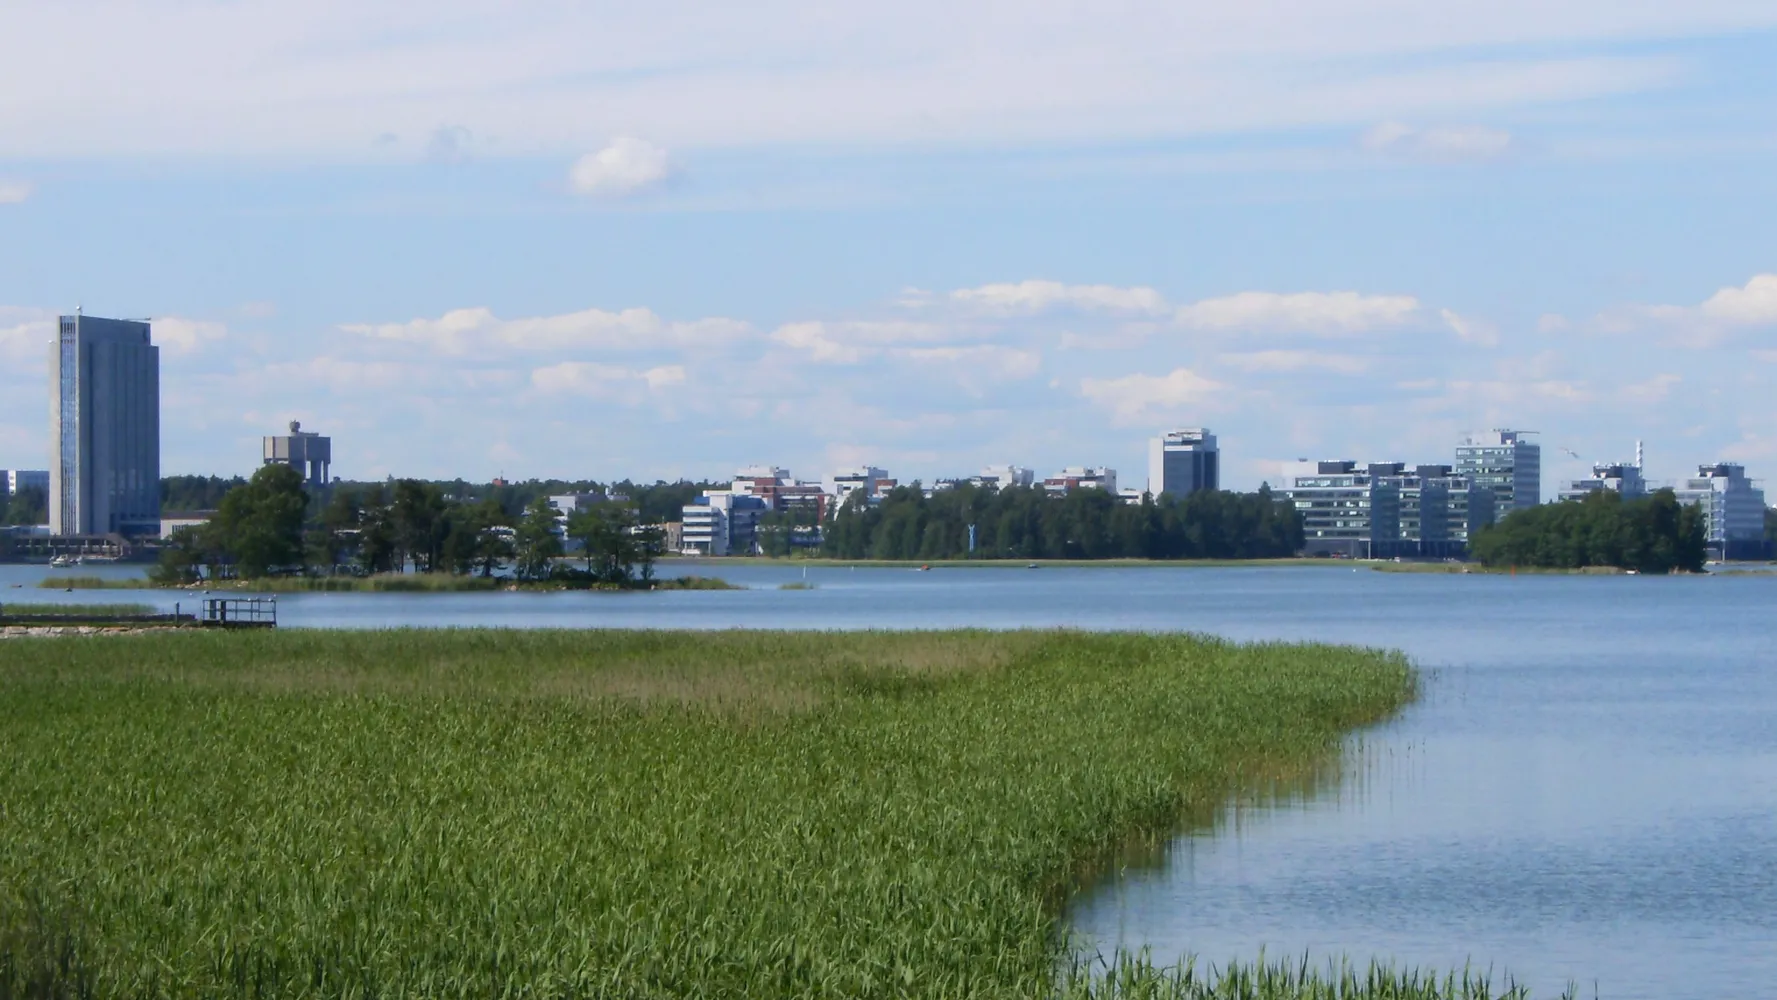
x=104 y=470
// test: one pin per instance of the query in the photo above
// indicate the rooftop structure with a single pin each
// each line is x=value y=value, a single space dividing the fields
x=1182 y=462
x=104 y=385
x=308 y=453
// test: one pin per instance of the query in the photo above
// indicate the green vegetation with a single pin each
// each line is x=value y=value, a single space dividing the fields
x=29 y=505
x=1031 y=523
x=89 y=583
x=192 y=493
x=269 y=528
x=625 y=814
x=1656 y=534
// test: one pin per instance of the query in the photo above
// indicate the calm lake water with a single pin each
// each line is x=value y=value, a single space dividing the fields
x=1587 y=791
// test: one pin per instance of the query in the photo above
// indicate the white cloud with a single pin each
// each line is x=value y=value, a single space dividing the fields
x=462 y=330
x=1650 y=391
x=1471 y=331
x=626 y=166
x=1295 y=361
x=1138 y=399
x=1026 y=298
x=585 y=378
x=848 y=343
x=1316 y=313
x=1705 y=325
x=989 y=360
x=1441 y=144
x=1753 y=304
x=25 y=334
x=184 y=336
x=14 y=192
x=318 y=77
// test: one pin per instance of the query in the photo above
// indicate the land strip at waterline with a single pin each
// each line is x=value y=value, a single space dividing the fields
x=393 y=583
x=608 y=813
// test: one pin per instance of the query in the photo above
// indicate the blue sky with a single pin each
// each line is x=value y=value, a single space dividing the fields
x=598 y=240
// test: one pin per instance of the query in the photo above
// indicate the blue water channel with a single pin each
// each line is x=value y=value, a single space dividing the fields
x=1587 y=790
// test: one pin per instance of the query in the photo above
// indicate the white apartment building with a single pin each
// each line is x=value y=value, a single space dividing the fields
x=868 y=478
x=1082 y=477
x=1002 y=476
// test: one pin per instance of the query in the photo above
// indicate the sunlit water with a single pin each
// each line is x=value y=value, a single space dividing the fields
x=1587 y=790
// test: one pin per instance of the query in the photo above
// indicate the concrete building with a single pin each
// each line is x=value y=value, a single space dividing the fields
x=104 y=382
x=173 y=520
x=1505 y=463
x=1002 y=477
x=721 y=523
x=305 y=451
x=868 y=478
x=1182 y=462
x=1076 y=477
x=1735 y=509
x=783 y=494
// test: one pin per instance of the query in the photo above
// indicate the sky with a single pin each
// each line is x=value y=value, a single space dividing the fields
x=608 y=240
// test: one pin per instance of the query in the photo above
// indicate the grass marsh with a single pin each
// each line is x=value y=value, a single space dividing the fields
x=623 y=814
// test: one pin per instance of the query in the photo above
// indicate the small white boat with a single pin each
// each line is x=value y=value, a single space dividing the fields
x=62 y=562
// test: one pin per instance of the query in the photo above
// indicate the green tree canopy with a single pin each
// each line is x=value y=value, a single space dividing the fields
x=259 y=525
x=1654 y=534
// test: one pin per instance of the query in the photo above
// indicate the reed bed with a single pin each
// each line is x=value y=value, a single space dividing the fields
x=485 y=813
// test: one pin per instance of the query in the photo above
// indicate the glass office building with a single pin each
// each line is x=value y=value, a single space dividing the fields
x=1183 y=462
x=1506 y=464
x=104 y=428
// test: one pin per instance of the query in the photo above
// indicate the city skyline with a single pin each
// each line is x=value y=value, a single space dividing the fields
x=466 y=248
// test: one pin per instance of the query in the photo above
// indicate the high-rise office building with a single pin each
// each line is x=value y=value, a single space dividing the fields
x=305 y=451
x=1508 y=465
x=104 y=471
x=1182 y=462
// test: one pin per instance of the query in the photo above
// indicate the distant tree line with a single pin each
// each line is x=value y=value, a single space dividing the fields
x=30 y=505
x=1031 y=523
x=1654 y=534
x=271 y=526
x=655 y=503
